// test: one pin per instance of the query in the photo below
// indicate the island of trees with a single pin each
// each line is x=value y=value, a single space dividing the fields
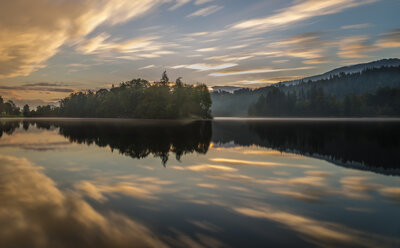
x=137 y=98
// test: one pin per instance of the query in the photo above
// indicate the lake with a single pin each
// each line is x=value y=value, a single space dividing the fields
x=220 y=183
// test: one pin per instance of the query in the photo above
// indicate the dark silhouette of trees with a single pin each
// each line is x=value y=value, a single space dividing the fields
x=385 y=102
x=336 y=86
x=26 y=111
x=137 y=139
x=137 y=98
x=341 y=142
x=164 y=78
x=9 y=108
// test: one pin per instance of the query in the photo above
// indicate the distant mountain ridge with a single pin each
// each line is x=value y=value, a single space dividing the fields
x=353 y=80
x=229 y=89
x=392 y=62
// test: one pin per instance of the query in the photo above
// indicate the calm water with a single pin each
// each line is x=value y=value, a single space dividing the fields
x=221 y=183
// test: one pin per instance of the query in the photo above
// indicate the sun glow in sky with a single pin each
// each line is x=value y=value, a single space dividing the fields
x=50 y=48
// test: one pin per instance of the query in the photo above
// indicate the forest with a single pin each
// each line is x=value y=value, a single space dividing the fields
x=315 y=102
x=137 y=98
x=8 y=108
x=352 y=86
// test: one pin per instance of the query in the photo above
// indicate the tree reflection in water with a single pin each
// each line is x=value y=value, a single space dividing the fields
x=371 y=145
x=136 y=138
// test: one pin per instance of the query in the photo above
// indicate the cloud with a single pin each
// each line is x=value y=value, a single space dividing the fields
x=199 y=2
x=392 y=193
x=142 y=47
x=27 y=194
x=36 y=146
x=357 y=187
x=97 y=191
x=237 y=47
x=45 y=84
x=355 y=47
x=178 y=4
x=390 y=40
x=210 y=167
x=229 y=58
x=48 y=89
x=299 y=11
x=257 y=163
x=357 y=26
x=205 y=67
x=34 y=31
x=146 y=67
x=320 y=233
x=265 y=81
x=310 y=46
x=256 y=71
x=205 y=11
x=208 y=49
x=34 y=94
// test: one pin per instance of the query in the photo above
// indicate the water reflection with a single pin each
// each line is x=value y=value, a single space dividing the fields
x=136 y=139
x=58 y=190
x=371 y=145
x=35 y=213
x=365 y=145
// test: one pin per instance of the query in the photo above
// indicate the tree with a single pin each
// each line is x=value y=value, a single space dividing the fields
x=178 y=82
x=164 y=78
x=26 y=111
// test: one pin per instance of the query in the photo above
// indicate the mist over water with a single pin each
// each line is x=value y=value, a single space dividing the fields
x=220 y=183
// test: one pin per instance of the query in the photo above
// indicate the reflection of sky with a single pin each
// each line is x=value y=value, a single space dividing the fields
x=231 y=196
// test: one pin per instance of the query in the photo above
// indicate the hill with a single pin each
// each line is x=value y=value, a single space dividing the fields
x=346 y=70
x=356 y=80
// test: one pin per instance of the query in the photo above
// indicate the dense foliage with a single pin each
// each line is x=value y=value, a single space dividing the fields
x=315 y=102
x=8 y=108
x=358 y=83
x=137 y=98
x=339 y=86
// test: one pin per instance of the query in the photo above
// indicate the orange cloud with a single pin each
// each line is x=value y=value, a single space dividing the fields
x=33 y=31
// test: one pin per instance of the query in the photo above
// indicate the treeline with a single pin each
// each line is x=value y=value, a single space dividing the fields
x=8 y=108
x=315 y=102
x=358 y=83
x=137 y=98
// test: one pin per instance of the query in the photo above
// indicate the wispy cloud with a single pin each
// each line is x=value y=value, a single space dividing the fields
x=208 y=49
x=205 y=67
x=178 y=4
x=146 y=67
x=205 y=11
x=49 y=87
x=237 y=47
x=33 y=31
x=265 y=81
x=299 y=11
x=357 y=26
x=307 y=46
x=229 y=58
x=355 y=47
x=199 y=2
x=142 y=47
x=256 y=71
x=389 y=40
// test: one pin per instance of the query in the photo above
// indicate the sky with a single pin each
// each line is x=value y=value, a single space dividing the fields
x=51 y=48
